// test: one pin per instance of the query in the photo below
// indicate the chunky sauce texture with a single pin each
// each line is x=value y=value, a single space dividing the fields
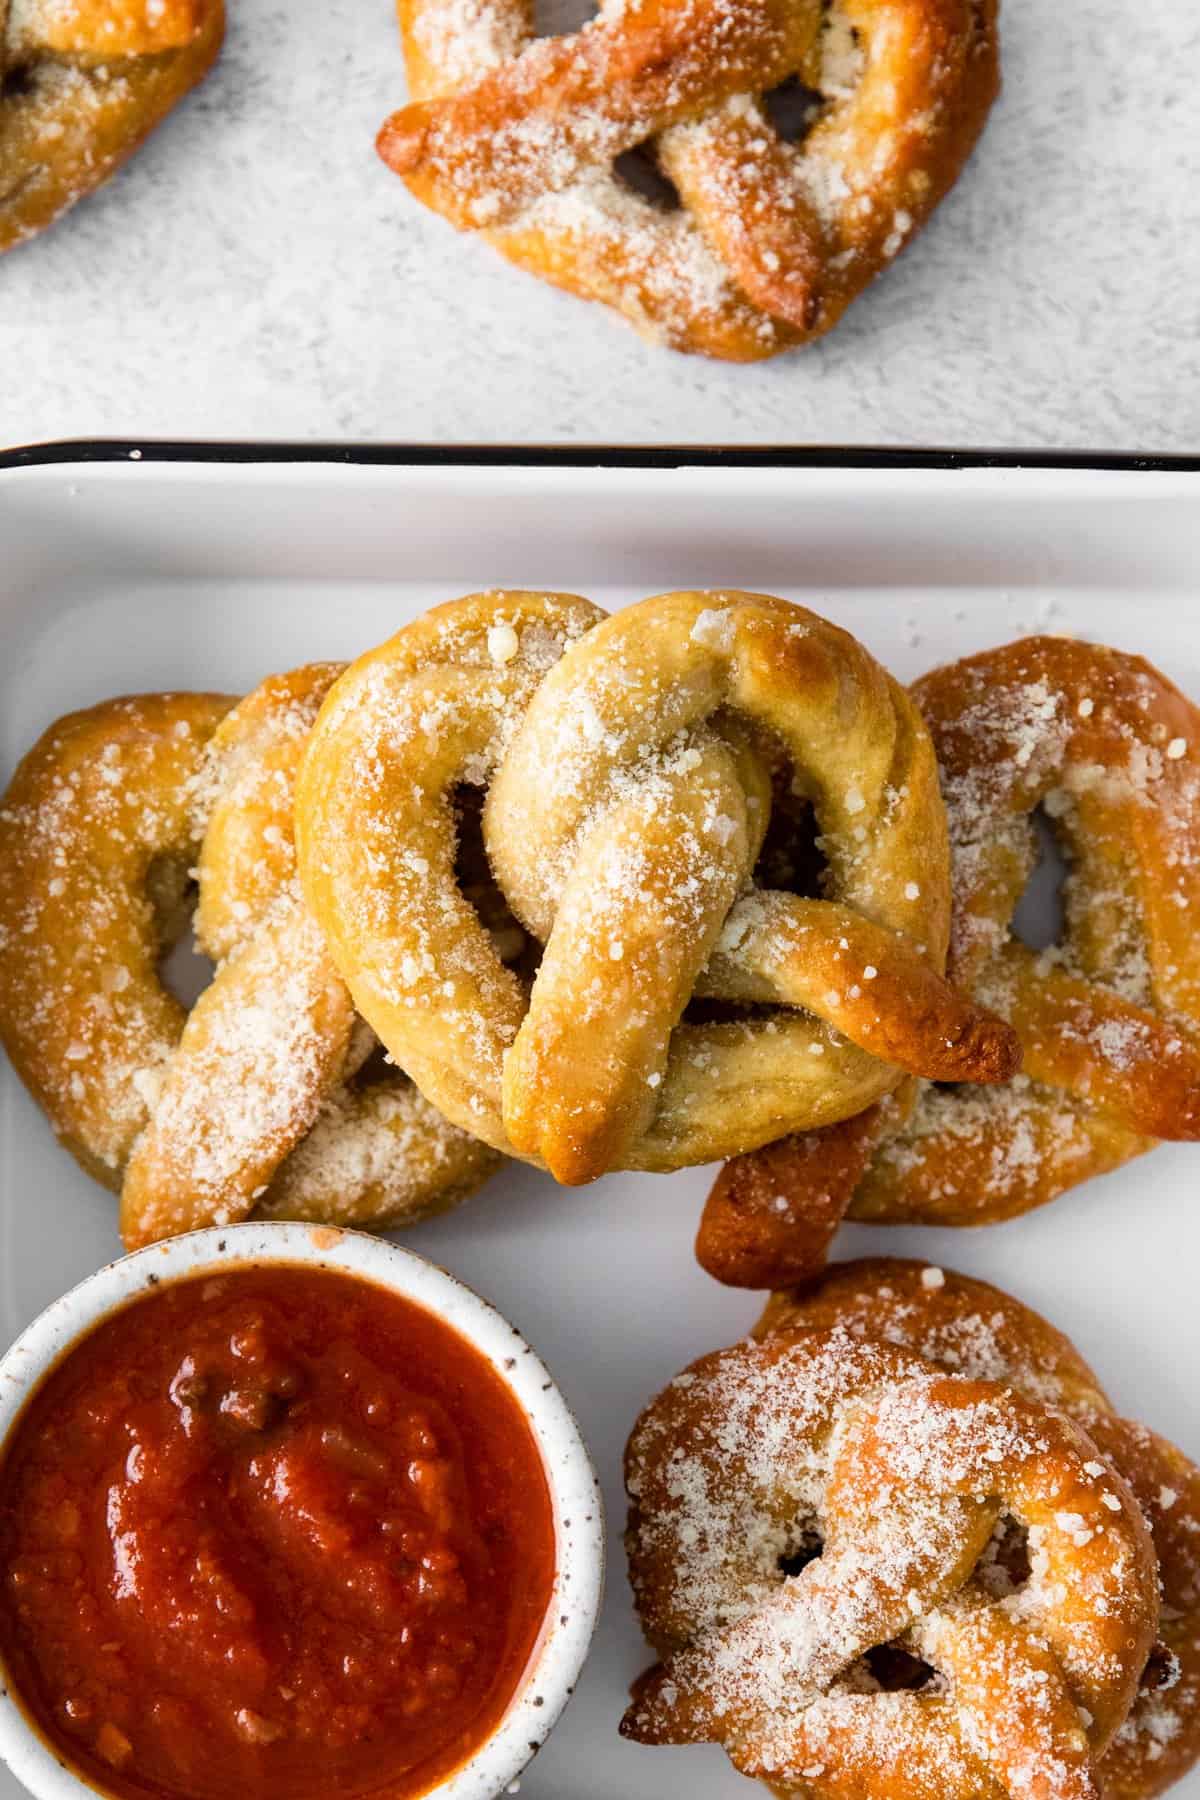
x=279 y=1532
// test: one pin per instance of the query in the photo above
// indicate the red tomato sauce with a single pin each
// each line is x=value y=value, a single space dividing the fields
x=278 y=1532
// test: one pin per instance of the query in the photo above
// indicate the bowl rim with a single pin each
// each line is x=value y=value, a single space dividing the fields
x=576 y=1502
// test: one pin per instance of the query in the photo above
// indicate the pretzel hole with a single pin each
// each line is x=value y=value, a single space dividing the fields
x=17 y=82
x=793 y=109
x=561 y=18
x=791 y=858
x=897 y=1670
x=479 y=889
x=1161 y=1670
x=184 y=970
x=806 y=1551
x=376 y=1066
x=1038 y=918
x=638 y=170
x=1005 y=1568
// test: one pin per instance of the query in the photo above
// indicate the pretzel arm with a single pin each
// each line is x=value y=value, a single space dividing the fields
x=564 y=105
x=378 y=1156
x=438 y=58
x=105 y=29
x=640 y=908
x=603 y=242
x=1117 y=1056
x=797 y=226
x=773 y=1213
x=262 y=1047
x=974 y=1159
x=815 y=1625
x=866 y=981
x=1013 y=1706
x=739 y=179
x=916 y=1750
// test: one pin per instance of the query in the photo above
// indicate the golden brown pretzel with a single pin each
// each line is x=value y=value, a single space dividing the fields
x=978 y=1331
x=194 y=1117
x=82 y=83
x=812 y=1545
x=261 y=1108
x=269 y=1037
x=627 y=800
x=1107 y=1017
x=771 y=241
x=96 y=841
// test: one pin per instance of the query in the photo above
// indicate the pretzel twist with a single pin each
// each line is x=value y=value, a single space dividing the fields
x=252 y=1101
x=517 y=138
x=269 y=1036
x=1108 y=1016
x=628 y=797
x=972 y=1328
x=81 y=86
x=902 y=1474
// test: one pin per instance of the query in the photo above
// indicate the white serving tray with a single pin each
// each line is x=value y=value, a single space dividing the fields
x=122 y=575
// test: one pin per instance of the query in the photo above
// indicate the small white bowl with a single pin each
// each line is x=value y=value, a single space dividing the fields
x=574 y=1490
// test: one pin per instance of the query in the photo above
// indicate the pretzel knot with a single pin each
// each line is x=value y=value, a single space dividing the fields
x=1108 y=751
x=260 y=1099
x=888 y=1659
x=81 y=85
x=770 y=241
x=976 y=1330
x=628 y=767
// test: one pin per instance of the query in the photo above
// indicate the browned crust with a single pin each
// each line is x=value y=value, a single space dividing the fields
x=893 y=1300
x=772 y=242
x=95 y=813
x=77 y=119
x=772 y=1214
x=634 y=867
x=196 y=1117
x=1104 y=1075
x=731 y=1449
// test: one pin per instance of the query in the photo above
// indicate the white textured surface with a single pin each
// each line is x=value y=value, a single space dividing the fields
x=256 y=272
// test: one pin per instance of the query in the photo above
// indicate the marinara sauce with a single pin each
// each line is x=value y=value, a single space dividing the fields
x=278 y=1532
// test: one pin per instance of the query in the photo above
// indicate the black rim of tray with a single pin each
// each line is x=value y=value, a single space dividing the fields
x=579 y=456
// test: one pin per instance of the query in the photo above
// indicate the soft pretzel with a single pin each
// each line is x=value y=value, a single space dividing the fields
x=270 y=1035
x=769 y=241
x=1108 y=1017
x=258 y=1108
x=983 y=1334
x=811 y=1536
x=96 y=841
x=628 y=797
x=194 y=1116
x=82 y=83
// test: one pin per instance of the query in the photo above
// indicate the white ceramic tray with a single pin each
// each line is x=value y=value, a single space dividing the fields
x=127 y=575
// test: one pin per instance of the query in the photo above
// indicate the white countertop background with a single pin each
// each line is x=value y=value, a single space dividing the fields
x=256 y=272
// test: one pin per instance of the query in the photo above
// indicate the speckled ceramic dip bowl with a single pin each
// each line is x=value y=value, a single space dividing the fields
x=571 y=1614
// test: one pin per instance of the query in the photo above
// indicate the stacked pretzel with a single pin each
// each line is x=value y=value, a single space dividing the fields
x=82 y=82
x=551 y=865
x=680 y=1010
x=1108 y=1015
x=602 y=982
x=266 y=1098
x=900 y=1542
